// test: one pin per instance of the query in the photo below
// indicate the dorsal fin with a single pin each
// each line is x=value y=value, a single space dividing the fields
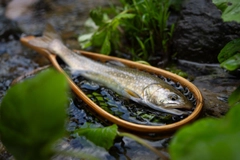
x=50 y=33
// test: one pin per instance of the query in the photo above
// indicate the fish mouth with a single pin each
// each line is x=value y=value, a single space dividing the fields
x=178 y=106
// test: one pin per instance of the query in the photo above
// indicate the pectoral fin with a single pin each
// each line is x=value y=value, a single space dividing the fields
x=133 y=95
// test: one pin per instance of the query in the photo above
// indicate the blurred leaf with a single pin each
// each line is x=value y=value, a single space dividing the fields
x=32 y=115
x=230 y=9
x=97 y=16
x=232 y=63
x=234 y=98
x=209 y=139
x=99 y=37
x=222 y=6
x=229 y=56
x=85 y=40
x=90 y=25
x=232 y=13
x=106 y=46
x=103 y=137
x=124 y=15
x=230 y=49
x=85 y=37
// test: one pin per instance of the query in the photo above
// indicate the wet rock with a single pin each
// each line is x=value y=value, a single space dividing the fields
x=215 y=90
x=136 y=152
x=16 y=64
x=22 y=8
x=200 y=33
x=84 y=146
x=215 y=84
x=8 y=30
x=66 y=16
x=215 y=104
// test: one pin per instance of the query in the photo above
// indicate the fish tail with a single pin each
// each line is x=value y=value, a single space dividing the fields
x=52 y=42
x=49 y=35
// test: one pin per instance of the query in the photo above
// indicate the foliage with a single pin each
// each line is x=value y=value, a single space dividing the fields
x=209 y=139
x=139 y=28
x=229 y=57
x=234 y=98
x=108 y=29
x=232 y=63
x=230 y=9
x=32 y=116
x=103 y=137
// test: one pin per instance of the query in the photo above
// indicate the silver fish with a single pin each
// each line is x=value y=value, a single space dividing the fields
x=136 y=85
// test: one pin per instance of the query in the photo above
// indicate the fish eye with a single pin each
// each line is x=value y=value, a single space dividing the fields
x=173 y=97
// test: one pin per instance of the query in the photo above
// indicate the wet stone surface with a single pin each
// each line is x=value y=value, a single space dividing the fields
x=215 y=84
x=200 y=33
x=191 y=39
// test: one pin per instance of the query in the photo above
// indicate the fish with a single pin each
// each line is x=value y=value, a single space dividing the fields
x=139 y=86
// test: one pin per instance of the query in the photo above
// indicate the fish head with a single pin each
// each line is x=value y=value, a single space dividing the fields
x=166 y=97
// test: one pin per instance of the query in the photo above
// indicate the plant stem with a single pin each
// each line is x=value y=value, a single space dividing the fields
x=145 y=144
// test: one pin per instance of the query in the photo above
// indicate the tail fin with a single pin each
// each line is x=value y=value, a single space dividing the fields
x=49 y=35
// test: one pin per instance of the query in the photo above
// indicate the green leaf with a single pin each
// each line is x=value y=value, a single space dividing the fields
x=232 y=13
x=32 y=115
x=97 y=16
x=209 y=139
x=99 y=37
x=85 y=37
x=232 y=63
x=103 y=137
x=234 y=98
x=106 y=46
x=124 y=15
x=230 y=49
x=229 y=56
x=230 y=9
x=85 y=40
x=221 y=5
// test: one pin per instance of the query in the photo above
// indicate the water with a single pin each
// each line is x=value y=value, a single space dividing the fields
x=126 y=109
